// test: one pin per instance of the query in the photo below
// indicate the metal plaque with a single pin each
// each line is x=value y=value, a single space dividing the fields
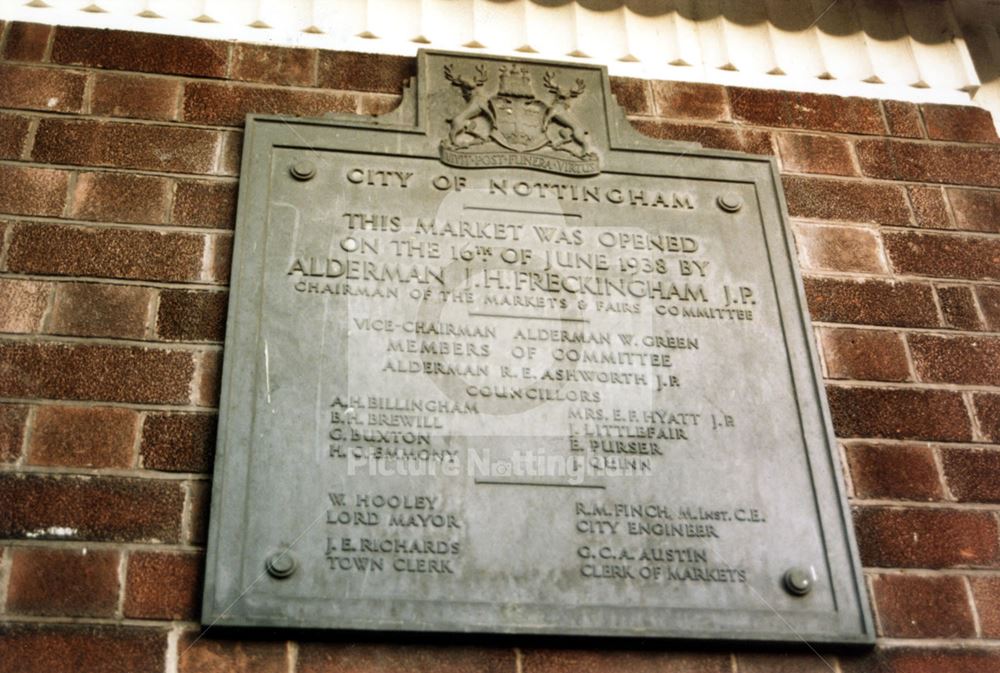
x=497 y=363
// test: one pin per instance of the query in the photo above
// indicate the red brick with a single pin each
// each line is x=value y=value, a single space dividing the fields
x=48 y=89
x=989 y=302
x=200 y=497
x=987 y=407
x=356 y=71
x=202 y=203
x=121 y=197
x=27 y=42
x=806 y=111
x=95 y=309
x=621 y=661
x=22 y=305
x=899 y=414
x=141 y=146
x=111 y=509
x=986 y=592
x=903 y=119
x=191 y=315
x=135 y=96
x=207 y=388
x=690 y=100
x=812 y=662
x=142 y=52
x=975 y=209
x=961 y=123
x=163 y=586
x=63 y=582
x=911 y=606
x=922 y=162
x=95 y=372
x=923 y=660
x=929 y=207
x=229 y=104
x=943 y=255
x=220 y=259
x=960 y=359
x=377 y=103
x=826 y=199
x=717 y=137
x=632 y=95
x=274 y=65
x=802 y=153
x=835 y=248
x=958 y=307
x=232 y=151
x=871 y=355
x=925 y=538
x=13 y=135
x=209 y=654
x=392 y=657
x=973 y=475
x=105 y=252
x=44 y=648
x=178 y=442
x=32 y=191
x=871 y=302
x=83 y=436
x=12 y=426
x=906 y=472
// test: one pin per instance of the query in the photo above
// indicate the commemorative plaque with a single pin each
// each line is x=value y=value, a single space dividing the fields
x=497 y=363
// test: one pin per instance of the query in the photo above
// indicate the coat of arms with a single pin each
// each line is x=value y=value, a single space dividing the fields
x=515 y=127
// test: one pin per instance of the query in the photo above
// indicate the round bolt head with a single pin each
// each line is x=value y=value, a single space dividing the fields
x=730 y=202
x=303 y=170
x=798 y=581
x=280 y=565
x=349 y=244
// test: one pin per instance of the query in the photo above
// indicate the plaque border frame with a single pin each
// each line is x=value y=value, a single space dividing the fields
x=264 y=133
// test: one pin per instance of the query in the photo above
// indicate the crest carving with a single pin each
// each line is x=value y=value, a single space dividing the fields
x=513 y=126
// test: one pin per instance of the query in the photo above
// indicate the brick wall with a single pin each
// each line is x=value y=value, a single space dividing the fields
x=119 y=155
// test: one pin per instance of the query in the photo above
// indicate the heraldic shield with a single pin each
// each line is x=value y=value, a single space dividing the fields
x=520 y=122
x=513 y=126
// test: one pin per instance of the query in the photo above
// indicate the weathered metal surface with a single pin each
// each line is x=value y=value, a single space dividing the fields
x=496 y=363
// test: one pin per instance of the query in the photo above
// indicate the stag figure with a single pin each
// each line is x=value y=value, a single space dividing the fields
x=572 y=130
x=478 y=104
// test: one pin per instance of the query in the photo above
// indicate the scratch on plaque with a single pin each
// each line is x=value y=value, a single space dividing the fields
x=267 y=372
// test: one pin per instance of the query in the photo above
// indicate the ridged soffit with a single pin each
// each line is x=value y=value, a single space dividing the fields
x=923 y=50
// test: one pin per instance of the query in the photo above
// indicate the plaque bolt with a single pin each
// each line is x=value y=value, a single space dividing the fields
x=280 y=565
x=303 y=170
x=730 y=202
x=349 y=244
x=798 y=581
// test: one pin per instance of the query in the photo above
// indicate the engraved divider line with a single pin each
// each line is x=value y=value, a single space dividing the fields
x=558 y=215
x=553 y=484
x=480 y=314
